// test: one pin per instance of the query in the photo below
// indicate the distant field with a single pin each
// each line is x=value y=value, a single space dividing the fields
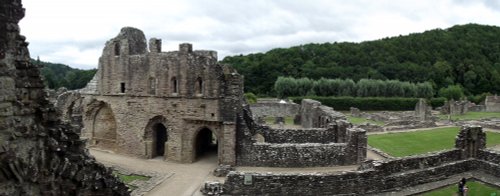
x=472 y=116
x=475 y=188
x=419 y=142
x=357 y=121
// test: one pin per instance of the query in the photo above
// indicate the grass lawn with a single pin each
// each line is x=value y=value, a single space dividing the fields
x=475 y=188
x=419 y=142
x=270 y=120
x=127 y=179
x=358 y=120
x=472 y=116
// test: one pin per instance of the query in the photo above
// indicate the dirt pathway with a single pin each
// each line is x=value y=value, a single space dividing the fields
x=185 y=179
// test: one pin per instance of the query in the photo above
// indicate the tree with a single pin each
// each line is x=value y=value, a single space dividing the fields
x=454 y=92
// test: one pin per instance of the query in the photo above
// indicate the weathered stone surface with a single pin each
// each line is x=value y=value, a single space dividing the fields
x=492 y=103
x=38 y=154
x=355 y=112
x=223 y=170
x=313 y=114
x=455 y=107
x=422 y=110
x=274 y=109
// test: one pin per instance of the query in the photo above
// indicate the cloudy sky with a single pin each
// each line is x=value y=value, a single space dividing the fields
x=73 y=32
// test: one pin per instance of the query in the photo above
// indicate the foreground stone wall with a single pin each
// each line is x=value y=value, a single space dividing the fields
x=258 y=145
x=376 y=177
x=39 y=155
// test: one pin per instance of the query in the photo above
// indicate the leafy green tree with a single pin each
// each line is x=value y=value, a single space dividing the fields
x=454 y=92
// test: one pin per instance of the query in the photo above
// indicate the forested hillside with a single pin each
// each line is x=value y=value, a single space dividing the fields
x=59 y=75
x=467 y=55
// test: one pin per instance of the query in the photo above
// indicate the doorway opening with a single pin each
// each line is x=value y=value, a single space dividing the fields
x=160 y=137
x=205 y=143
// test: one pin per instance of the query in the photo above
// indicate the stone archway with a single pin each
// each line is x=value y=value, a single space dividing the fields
x=205 y=143
x=156 y=137
x=104 y=128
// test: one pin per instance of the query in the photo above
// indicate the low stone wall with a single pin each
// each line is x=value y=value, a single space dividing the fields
x=349 y=183
x=274 y=109
x=313 y=135
x=408 y=124
x=416 y=162
x=490 y=156
x=299 y=155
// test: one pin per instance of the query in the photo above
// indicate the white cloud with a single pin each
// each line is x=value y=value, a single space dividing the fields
x=74 y=32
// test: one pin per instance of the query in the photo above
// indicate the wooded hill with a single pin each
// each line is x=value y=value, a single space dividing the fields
x=467 y=55
x=58 y=75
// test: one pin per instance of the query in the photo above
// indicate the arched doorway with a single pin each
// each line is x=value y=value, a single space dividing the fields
x=104 y=128
x=160 y=137
x=205 y=143
x=156 y=136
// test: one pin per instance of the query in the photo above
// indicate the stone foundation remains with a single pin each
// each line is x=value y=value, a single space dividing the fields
x=378 y=176
x=39 y=155
x=337 y=144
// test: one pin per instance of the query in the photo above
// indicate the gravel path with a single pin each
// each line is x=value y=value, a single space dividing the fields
x=185 y=179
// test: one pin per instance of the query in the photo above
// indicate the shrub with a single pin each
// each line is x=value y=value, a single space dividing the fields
x=251 y=98
x=452 y=92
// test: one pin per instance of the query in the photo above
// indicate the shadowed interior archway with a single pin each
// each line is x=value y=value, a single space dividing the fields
x=205 y=143
x=156 y=137
x=160 y=137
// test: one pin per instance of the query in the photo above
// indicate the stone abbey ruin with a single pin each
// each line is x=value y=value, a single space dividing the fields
x=179 y=105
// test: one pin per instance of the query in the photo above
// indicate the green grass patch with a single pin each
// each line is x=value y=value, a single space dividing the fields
x=492 y=138
x=127 y=179
x=419 y=142
x=472 y=116
x=474 y=188
x=270 y=120
x=358 y=121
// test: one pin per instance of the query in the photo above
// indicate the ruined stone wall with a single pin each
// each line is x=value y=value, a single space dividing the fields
x=315 y=115
x=370 y=181
x=378 y=176
x=274 y=109
x=39 y=155
x=312 y=135
x=338 y=145
x=135 y=90
x=492 y=103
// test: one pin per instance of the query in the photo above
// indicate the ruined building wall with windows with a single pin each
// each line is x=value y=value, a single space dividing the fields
x=149 y=103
